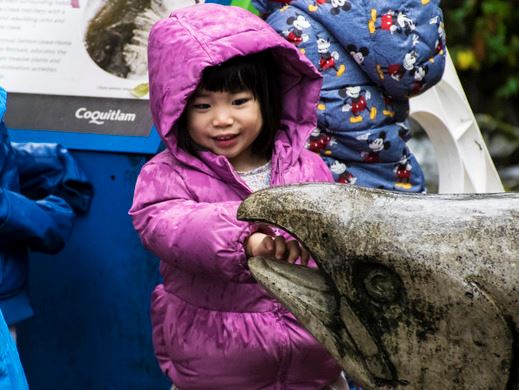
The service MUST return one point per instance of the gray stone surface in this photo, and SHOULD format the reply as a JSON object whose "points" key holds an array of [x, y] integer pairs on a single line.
{"points": [[412, 291]]}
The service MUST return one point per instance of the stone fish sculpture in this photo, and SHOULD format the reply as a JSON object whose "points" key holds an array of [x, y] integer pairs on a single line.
{"points": [[412, 292]]}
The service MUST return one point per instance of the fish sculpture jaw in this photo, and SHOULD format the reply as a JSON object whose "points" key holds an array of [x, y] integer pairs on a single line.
{"points": [[420, 289], [307, 293]]}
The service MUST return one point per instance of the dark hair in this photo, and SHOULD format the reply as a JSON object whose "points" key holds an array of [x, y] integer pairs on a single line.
{"points": [[255, 72]]}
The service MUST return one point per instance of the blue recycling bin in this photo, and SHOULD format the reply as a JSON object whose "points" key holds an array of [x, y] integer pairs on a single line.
{"points": [[91, 328]]}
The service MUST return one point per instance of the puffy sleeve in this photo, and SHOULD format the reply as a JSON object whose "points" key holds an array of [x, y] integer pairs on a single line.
{"points": [[398, 45], [41, 225], [406, 43], [197, 237], [49, 168]]}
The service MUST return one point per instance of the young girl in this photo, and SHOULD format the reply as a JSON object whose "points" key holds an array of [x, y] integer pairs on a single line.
{"points": [[234, 106]]}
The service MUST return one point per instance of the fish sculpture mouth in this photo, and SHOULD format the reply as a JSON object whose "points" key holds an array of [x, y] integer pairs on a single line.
{"points": [[412, 291], [308, 294]]}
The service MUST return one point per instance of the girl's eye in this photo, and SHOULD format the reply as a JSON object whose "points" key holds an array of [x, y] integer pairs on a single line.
{"points": [[239, 102], [200, 106]]}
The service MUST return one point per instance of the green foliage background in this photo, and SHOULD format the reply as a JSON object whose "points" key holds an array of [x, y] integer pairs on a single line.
{"points": [[483, 40]]}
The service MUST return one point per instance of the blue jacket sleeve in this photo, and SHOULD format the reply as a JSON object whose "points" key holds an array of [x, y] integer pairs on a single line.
{"points": [[41, 225], [49, 169], [398, 46], [31, 177], [11, 370], [406, 43]]}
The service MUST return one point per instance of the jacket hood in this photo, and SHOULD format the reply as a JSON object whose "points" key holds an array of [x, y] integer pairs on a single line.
{"points": [[204, 35]]}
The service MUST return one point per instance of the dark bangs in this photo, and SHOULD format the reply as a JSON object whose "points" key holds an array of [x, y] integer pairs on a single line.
{"points": [[235, 75], [258, 73]]}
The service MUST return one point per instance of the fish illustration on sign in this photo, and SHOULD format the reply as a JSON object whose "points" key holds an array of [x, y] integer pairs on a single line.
{"points": [[413, 291], [116, 37]]}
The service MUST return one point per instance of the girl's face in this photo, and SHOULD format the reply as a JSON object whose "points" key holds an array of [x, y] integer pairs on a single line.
{"points": [[227, 124]]}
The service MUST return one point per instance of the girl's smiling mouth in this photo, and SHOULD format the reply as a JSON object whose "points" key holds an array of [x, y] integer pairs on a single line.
{"points": [[226, 140]]}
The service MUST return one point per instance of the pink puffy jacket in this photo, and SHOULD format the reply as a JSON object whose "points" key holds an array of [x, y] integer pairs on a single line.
{"points": [[214, 327]]}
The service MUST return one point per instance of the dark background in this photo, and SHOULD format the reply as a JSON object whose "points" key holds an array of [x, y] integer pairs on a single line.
{"points": [[483, 40]]}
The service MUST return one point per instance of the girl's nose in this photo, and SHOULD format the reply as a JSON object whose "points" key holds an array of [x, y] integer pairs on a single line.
{"points": [[222, 118]]}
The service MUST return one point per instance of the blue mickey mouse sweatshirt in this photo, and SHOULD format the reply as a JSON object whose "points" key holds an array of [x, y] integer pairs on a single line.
{"points": [[374, 56]]}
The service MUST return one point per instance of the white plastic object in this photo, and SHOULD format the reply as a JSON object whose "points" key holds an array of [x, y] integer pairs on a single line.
{"points": [[464, 163]]}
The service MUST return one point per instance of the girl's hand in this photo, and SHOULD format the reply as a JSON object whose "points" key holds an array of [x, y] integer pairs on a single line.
{"points": [[260, 244]]}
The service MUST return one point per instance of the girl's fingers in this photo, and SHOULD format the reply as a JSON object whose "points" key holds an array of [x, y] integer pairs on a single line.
{"points": [[305, 256], [284, 250], [294, 251], [280, 247], [268, 244]]}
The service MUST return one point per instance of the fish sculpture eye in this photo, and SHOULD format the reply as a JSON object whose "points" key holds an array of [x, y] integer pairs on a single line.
{"points": [[382, 284]]}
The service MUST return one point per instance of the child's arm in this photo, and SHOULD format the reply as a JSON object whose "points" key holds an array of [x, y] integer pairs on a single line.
{"points": [[398, 46], [196, 236], [41, 225], [406, 42], [49, 168]]}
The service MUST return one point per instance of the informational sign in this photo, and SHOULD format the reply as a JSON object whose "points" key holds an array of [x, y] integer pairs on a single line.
{"points": [[76, 71]]}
